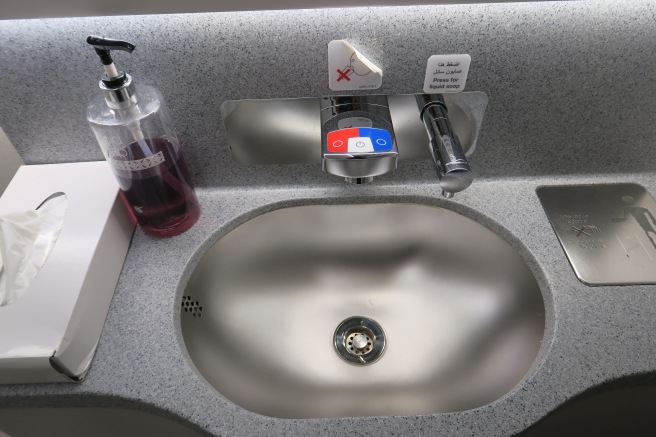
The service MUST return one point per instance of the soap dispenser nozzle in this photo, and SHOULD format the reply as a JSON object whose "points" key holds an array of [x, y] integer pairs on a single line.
{"points": [[116, 85], [103, 47]]}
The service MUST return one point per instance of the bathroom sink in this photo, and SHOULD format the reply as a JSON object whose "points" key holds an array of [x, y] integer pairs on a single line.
{"points": [[440, 314]]}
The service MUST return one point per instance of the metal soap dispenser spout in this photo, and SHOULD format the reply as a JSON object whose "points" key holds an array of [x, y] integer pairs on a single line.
{"points": [[453, 170]]}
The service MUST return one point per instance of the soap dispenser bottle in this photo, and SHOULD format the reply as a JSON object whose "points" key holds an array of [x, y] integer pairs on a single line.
{"points": [[135, 134]]}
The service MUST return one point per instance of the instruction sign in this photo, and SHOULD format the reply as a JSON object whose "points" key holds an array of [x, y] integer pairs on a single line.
{"points": [[348, 69], [446, 73]]}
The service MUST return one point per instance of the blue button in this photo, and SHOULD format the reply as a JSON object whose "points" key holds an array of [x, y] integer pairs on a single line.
{"points": [[380, 138]]}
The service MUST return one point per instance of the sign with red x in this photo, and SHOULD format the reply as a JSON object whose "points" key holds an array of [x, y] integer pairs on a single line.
{"points": [[348, 69], [343, 74]]}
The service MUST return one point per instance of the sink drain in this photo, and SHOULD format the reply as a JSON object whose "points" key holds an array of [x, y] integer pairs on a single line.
{"points": [[359, 340]]}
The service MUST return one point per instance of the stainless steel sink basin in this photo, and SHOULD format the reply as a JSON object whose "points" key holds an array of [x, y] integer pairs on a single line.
{"points": [[462, 314]]}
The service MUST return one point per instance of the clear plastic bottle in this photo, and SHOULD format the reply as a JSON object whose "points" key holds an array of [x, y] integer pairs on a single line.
{"points": [[135, 134]]}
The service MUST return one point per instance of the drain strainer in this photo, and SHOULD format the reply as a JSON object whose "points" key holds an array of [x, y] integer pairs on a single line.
{"points": [[359, 340]]}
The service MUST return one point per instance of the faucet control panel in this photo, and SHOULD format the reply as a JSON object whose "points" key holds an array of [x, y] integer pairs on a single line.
{"points": [[357, 137], [359, 140]]}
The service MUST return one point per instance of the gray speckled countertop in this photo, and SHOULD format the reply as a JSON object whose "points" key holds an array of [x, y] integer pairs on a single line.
{"points": [[564, 79], [594, 334]]}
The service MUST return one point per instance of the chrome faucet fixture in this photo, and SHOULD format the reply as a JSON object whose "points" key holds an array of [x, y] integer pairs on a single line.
{"points": [[360, 137], [357, 138], [452, 167]]}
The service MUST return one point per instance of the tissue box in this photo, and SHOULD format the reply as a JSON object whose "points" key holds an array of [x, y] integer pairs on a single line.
{"points": [[50, 333]]}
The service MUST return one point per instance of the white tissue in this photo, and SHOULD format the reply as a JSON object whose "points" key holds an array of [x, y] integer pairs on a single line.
{"points": [[26, 240]]}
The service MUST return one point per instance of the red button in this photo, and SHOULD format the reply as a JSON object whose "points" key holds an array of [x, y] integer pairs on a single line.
{"points": [[337, 141]]}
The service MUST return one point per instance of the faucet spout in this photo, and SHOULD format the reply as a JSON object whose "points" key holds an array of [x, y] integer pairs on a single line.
{"points": [[453, 172]]}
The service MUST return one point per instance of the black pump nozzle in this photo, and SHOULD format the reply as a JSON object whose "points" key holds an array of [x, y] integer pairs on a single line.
{"points": [[104, 45], [112, 77]]}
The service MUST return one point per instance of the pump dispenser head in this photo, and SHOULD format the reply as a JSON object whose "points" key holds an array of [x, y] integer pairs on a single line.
{"points": [[117, 86]]}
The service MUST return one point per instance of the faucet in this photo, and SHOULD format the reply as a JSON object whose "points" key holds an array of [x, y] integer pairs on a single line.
{"points": [[358, 143], [357, 138], [453, 170]]}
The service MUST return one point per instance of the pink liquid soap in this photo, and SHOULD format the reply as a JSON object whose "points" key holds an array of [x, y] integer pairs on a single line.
{"points": [[160, 196]]}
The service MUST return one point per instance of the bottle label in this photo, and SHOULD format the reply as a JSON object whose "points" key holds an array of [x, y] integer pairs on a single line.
{"points": [[139, 164]]}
